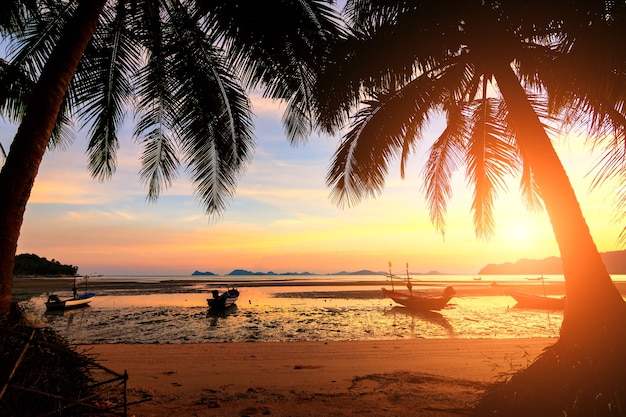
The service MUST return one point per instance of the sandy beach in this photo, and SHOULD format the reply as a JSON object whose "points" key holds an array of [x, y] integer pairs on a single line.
{"points": [[375, 378], [407, 377]]}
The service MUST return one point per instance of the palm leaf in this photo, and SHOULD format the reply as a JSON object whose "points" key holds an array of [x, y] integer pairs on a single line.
{"points": [[444, 158], [490, 158], [212, 112], [281, 55], [156, 105], [384, 129], [102, 84]]}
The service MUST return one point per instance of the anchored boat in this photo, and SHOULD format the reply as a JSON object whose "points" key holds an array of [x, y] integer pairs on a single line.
{"points": [[417, 301], [223, 301], [76, 301]]}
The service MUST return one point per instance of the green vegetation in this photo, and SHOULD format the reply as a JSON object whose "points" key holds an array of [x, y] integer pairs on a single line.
{"points": [[31, 264]]}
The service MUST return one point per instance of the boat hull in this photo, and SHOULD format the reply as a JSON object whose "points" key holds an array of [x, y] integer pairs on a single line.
{"points": [[54, 303], [537, 302], [224, 301], [420, 303]]}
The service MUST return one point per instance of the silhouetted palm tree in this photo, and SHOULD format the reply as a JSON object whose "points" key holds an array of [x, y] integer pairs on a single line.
{"points": [[185, 63], [503, 74], [483, 66]]}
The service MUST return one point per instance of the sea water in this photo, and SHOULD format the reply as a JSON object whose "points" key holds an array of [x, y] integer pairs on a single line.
{"points": [[297, 308]]}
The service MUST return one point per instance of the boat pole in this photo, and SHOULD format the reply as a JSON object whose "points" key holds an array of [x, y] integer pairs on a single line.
{"points": [[408, 280]]}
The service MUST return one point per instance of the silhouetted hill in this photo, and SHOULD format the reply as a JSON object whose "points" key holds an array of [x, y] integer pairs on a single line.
{"points": [[239, 272], [615, 262], [31, 264], [361, 272]]}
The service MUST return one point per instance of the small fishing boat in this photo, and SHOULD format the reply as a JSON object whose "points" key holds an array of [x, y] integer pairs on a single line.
{"points": [[55, 303], [76, 301], [539, 302], [420, 302], [417, 302], [223, 301]]}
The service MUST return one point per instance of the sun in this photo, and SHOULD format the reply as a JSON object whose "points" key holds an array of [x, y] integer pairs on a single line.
{"points": [[532, 235], [520, 232]]}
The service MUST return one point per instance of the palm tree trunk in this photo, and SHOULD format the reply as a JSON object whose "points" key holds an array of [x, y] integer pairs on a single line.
{"points": [[29, 145], [594, 308]]}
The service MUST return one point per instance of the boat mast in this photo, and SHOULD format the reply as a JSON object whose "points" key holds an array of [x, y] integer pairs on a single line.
{"points": [[391, 276], [408, 280]]}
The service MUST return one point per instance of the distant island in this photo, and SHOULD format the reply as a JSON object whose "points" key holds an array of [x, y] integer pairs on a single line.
{"points": [[615, 262], [240, 272]]}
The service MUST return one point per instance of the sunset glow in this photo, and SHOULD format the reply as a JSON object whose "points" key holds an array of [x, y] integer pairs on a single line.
{"points": [[281, 218]]}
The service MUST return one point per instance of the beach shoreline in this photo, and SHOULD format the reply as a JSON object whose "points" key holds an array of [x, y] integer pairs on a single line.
{"points": [[34, 286], [391, 377], [407, 375]]}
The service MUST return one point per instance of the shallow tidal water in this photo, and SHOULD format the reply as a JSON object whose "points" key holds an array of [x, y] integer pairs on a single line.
{"points": [[270, 314]]}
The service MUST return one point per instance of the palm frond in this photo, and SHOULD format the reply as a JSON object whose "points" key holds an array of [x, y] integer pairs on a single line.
{"points": [[384, 129], [212, 113], [531, 196], [17, 88], [444, 157], [14, 15], [102, 85], [155, 106], [14, 99], [280, 55], [35, 43], [490, 158], [339, 82]]}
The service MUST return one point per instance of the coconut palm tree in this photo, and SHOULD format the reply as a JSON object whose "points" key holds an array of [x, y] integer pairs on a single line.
{"points": [[185, 64], [503, 75], [479, 65]]}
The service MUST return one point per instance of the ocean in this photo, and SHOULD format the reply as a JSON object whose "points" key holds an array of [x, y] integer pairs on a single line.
{"points": [[173, 309]]}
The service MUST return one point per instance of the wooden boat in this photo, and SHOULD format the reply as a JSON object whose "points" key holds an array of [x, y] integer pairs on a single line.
{"points": [[76, 301], [223, 301], [55, 303], [420, 302], [540, 302], [416, 302]]}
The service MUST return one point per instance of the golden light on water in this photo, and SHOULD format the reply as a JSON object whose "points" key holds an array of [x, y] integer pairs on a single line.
{"points": [[292, 313]]}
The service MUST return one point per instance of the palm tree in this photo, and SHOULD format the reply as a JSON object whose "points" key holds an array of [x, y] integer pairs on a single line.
{"points": [[502, 74], [186, 64]]}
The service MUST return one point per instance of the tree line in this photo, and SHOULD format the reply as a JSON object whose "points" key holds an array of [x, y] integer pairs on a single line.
{"points": [[31, 264]]}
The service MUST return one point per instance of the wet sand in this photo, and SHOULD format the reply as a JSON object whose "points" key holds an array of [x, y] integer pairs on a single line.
{"points": [[28, 287]]}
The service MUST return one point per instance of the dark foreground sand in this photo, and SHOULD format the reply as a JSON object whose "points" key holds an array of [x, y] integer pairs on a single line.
{"points": [[372, 378]]}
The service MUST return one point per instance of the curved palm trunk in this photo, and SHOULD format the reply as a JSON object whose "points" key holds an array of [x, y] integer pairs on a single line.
{"points": [[595, 312], [29, 145]]}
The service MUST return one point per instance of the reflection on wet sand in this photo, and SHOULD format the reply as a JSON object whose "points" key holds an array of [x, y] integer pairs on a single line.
{"points": [[269, 314], [214, 315], [432, 317], [67, 317]]}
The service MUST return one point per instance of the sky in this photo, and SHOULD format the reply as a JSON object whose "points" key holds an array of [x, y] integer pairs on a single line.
{"points": [[281, 218]]}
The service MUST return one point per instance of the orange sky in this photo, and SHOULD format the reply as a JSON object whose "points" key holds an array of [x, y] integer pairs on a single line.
{"points": [[281, 218]]}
